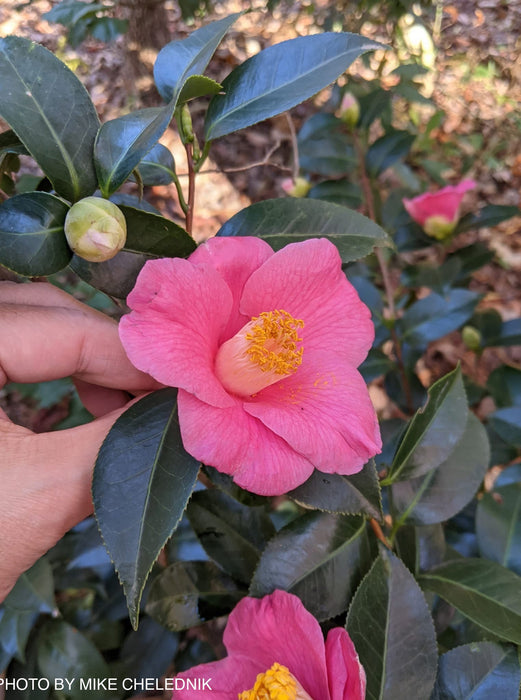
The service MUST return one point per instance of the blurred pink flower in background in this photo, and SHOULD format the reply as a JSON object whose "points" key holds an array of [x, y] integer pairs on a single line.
{"points": [[275, 644], [439, 212], [264, 348]]}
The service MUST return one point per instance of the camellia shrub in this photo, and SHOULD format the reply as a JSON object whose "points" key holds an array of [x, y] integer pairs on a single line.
{"points": [[354, 557]]}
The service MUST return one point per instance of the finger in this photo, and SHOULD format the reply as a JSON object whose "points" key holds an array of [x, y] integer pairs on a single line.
{"points": [[38, 294], [44, 343], [99, 400]]}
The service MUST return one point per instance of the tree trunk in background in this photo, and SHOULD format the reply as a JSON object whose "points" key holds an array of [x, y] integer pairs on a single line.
{"points": [[148, 31]]}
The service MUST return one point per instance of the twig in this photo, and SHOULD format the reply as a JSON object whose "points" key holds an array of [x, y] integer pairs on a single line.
{"points": [[294, 145], [242, 168], [191, 187]]}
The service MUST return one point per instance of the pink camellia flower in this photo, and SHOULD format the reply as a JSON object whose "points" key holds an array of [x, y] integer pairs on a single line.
{"points": [[439, 212], [264, 348], [276, 651]]}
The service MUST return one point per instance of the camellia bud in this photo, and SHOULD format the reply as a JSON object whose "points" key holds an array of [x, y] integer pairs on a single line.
{"points": [[349, 111], [296, 188], [471, 337], [95, 229]]}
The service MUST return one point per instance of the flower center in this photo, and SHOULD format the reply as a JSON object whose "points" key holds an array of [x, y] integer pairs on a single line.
{"points": [[262, 353], [277, 683]]}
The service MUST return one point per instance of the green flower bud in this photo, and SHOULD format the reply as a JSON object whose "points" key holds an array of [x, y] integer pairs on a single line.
{"points": [[349, 111], [95, 229], [471, 337], [296, 188]]}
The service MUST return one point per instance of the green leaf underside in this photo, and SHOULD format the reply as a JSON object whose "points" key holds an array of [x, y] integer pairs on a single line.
{"points": [[52, 114], [143, 479], [335, 493], [186, 594], [232, 534], [483, 591], [327, 553], [444, 491], [179, 61], [281, 77], [283, 221], [392, 630], [32, 239], [434, 430]]}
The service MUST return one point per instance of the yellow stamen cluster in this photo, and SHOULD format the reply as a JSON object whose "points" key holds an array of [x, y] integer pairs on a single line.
{"points": [[277, 683], [273, 342]]}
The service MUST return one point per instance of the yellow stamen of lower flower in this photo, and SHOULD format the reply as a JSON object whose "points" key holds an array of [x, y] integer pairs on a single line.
{"points": [[277, 683], [262, 353]]}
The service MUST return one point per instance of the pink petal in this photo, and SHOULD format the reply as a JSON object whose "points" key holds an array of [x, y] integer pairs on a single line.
{"points": [[172, 332], [235, 259], [345, 672], [324, 412], [227, 678], [279, 629], [306, 280], [444, 203], [236, 443]]}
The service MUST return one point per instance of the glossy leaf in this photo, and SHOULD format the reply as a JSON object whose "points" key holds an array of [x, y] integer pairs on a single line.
{"points": [[152, 234], [10, 143], [446, 490], [508, 334], [324, 148], [65, 653], [392, 630], [328, 556], [489, 215], [483, 591], [115, 277], [478, 671], [157, 167], [15, 628], [121, 144], [283, 221], [187, 593], [179, 60], [142, 481], [434, 430], [32, 239], [338, 192], [421, 547], [498, 525], [507, 424], [434, 316], [34, 590], [52, 114], [148, 651], [351, 495], [232, 534], [281, 77], [504, 383], [225, 483], [386, 150]]}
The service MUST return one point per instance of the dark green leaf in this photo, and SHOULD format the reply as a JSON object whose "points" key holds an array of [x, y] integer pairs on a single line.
{"points": [[504, 383], [157, 167], [10, 143], [227, 484], [498, 526], [281, 77], [122, 143], [52, 114], [434, 316], [64, 653], [152, 234], [325, 148], [472, 257], [328, 556], [15, 627], [68, 13], [509, 333], [34, 590], [376, 364], [115, 277], [439, 278], [232, 534], [392, 630], [179, 60], [490, 215], [483, 591], [387, 150], [188, 593], [338, 192], [478, 671], [444, 491], [108, 28], [283, 221], [421, 547], [374, 105], [434, 430], [148, 651], [142, 481], [507, 424], [358, 493], [32, 239]]}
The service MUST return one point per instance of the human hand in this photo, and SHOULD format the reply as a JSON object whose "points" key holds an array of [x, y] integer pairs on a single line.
{"points": [[45, 478]]}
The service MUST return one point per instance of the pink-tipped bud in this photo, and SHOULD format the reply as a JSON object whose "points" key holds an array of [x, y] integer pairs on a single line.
{"points": [[95, 229], [349, 111], [296, 188]]}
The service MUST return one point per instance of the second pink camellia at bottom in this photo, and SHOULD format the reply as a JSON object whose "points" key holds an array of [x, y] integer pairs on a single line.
{"points": [[264, 348], [276, 650]]}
